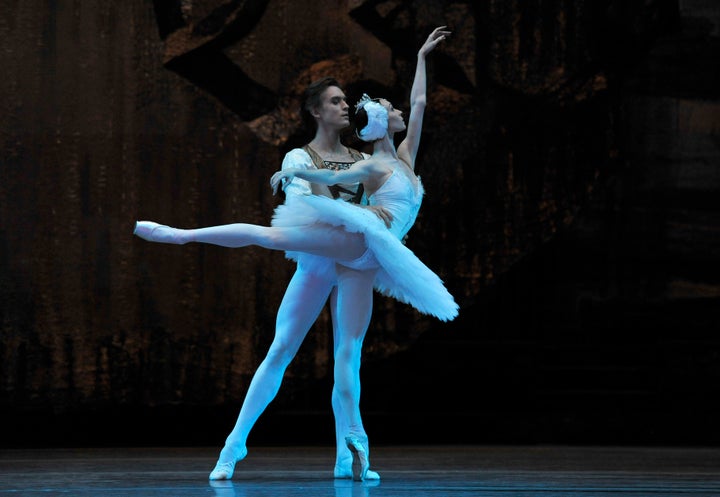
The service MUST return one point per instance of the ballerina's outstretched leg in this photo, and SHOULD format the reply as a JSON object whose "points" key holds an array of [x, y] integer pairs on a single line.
{"points": [[328, 241]]}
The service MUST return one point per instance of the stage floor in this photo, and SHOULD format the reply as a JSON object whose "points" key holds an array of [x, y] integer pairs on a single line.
{"points": [[409, 471]]}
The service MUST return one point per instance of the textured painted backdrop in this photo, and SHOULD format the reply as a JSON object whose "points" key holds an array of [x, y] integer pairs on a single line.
{"points": [[180, 111]]}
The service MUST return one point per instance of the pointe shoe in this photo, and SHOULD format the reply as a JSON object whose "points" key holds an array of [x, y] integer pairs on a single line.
{"points": [[360, 457], [154, 232], [344, 472], [224, 470]]}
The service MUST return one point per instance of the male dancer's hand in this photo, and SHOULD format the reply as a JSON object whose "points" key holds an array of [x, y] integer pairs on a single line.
{"points": [[382, 213]]}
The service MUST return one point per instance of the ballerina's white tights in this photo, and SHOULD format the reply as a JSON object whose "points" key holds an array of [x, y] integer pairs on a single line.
{"points": [[323, 240]]}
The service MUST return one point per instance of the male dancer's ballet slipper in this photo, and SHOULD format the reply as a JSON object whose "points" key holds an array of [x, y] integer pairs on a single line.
{"points": [[224, 470], [154, 232], [361, 461]]}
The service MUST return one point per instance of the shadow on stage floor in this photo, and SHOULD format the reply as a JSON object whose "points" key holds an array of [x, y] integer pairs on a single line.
{"points": [[411, 471]]}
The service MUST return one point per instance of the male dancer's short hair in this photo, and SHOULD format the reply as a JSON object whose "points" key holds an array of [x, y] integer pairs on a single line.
{"points": [[311, 99]]}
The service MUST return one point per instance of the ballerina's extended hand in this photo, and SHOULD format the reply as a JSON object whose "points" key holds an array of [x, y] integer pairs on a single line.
{"points": [[280, 178]]}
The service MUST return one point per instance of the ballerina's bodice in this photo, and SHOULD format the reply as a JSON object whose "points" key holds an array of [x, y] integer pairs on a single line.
{"points": [[399, 196]]}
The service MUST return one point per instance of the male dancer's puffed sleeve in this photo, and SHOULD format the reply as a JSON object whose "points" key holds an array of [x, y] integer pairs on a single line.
{"points": [[306, 263], [297, 158]]}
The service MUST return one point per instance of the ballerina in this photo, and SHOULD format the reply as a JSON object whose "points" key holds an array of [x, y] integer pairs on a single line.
{"points": [[353, 237]]}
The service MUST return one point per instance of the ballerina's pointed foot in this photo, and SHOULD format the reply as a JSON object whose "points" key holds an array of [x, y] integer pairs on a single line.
{"points": [[360, 457], [154, 232], [225, 466]]}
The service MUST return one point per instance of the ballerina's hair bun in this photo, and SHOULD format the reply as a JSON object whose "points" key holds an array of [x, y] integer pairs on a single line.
{"points": [[376, 116]]}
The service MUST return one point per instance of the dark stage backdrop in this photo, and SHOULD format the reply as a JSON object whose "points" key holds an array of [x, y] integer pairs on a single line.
{"points": [[570, 157]]}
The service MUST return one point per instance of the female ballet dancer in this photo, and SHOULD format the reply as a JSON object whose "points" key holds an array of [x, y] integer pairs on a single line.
{"points": [[367, 253], [352, 236]]}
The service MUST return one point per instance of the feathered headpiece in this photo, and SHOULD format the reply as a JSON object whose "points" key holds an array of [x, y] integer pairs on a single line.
{"points": [[377, 124]]}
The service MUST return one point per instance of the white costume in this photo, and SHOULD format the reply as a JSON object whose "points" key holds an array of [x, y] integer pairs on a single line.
{"points": [[401, 274], [300, 158]]}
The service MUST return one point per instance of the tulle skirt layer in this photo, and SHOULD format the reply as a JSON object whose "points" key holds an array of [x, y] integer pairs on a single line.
{"points": [[401, 274]]}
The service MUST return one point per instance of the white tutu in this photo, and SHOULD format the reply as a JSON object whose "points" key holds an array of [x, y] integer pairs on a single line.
{"points": [[401, 274]]}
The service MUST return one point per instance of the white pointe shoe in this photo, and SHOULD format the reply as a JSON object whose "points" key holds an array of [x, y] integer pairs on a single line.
{"points": [[154, 232], [224, 470], [360, 457], [344, 472]]}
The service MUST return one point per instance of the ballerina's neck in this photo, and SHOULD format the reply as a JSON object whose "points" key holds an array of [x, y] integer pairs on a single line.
{"points": [[384, 147]]}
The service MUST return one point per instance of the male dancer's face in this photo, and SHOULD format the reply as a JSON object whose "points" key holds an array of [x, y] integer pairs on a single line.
{"points": [[334, 110]]}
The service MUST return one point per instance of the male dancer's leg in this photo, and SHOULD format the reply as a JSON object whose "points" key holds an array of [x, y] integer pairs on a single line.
{"points": [[303, 300]]}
